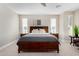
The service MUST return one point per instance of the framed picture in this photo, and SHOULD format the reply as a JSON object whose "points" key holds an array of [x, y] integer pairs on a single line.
{"points": [[38, 22]]}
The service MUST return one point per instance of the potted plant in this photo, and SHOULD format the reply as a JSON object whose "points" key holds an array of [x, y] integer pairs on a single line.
{"points": [[76, 30]]}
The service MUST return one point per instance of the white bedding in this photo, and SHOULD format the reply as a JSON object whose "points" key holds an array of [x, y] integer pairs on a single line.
{"points": [[39, 35], [38, 31]]}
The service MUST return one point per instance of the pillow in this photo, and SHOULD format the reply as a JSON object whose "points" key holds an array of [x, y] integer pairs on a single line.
{"points": [[35, 31], [42, 31], [38, 31], [32, 30]]}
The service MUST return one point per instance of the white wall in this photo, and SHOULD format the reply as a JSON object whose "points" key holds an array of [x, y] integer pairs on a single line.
{"points": [[45, 20], [76, 17], [9, 28], [61, 26]]}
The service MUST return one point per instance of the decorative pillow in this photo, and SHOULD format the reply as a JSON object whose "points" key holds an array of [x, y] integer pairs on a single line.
{"points": [[35, 31], [42, 31]]}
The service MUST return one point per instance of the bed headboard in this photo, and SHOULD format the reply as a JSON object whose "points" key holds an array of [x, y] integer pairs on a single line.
{"points": [[39, 27]]}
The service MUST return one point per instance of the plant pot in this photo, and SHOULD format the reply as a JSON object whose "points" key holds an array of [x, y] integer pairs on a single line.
{"points": [[76, 35]]}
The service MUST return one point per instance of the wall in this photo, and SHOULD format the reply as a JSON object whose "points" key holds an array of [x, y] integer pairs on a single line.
{"points": [[61, 26], [45, 20], [9, 28], [76, 17]]}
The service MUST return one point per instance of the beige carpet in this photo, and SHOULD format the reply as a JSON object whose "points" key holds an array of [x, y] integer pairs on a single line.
{"points": [[65, 50]]}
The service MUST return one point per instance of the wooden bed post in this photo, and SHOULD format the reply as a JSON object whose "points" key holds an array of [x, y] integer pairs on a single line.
{"points": [[58, 49], [18, 49]]}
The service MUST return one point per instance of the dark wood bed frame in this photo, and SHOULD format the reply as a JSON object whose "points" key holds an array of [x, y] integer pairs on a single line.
{"points": [[39, 27], [38, 46]]}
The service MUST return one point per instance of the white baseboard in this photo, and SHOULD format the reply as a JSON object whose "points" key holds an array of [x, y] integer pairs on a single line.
{"points": [[4, 46]]}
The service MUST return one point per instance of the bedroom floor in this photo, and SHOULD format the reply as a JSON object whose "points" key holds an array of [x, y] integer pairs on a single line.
{"points": [[65, 50]]}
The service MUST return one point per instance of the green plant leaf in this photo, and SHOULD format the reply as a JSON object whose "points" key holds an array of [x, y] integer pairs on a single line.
{"points": [[76, 30]]}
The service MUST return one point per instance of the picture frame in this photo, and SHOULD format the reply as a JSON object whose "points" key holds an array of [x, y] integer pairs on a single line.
{"points": [[38, 22]]}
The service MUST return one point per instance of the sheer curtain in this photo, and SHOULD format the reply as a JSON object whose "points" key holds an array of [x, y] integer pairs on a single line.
{"points": [[53, 25], [24, 25], [70, 24]]}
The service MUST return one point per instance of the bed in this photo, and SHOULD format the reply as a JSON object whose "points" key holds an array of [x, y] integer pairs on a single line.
{"points": [[38, 42]]}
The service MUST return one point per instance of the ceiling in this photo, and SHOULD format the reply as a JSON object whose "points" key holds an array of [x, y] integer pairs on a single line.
{"points": [[39, 9]]}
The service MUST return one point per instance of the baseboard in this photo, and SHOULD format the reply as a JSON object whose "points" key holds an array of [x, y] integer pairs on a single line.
{"points": [[4, 46]]}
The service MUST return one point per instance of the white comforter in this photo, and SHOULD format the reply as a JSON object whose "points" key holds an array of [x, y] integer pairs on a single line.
{"points": [[39, 35]]}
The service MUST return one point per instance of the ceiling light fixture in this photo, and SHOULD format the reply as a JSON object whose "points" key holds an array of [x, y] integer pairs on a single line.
{"points": [[43, 4], [57, 6]]}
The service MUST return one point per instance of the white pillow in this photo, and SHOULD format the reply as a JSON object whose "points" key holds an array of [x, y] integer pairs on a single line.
{"points": [[38, 31], [35, 31], [32, 30], [42, 31]]}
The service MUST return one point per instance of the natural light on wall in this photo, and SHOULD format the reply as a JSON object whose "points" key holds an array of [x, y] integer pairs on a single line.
{"points": [[53, 25], [24, 25]]}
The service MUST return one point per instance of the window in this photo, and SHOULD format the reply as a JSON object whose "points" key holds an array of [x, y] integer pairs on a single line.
{"points": [[53, 25], [70, 24], [24, 25]]}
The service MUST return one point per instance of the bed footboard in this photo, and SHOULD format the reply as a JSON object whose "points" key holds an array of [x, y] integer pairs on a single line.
{"points": [[38, 46]]}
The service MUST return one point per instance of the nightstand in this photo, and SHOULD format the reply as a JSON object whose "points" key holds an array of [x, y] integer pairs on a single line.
{"points": [[55, 34], [74, 39]]}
